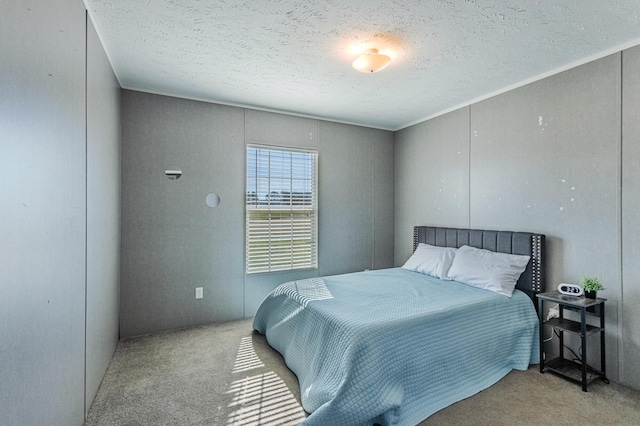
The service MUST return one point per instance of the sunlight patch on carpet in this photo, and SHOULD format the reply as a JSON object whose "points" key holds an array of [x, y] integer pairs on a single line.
{"points": [[260, 399], [263, 399], [246, 359]]}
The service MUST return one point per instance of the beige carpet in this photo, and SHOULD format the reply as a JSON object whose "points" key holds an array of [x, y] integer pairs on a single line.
{"points": [[225, 374]]}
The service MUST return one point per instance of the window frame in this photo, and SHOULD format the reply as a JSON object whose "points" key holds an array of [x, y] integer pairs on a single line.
{"points": [[281, 209]]}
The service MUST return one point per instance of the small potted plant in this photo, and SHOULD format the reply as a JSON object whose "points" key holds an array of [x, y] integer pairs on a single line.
{"points": [[591, 285]]}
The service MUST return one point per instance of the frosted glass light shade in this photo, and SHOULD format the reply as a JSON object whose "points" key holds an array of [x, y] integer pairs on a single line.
{"points": [[371, 61]]}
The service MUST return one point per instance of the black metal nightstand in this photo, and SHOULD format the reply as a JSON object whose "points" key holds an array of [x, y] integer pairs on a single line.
{"points": [[573, 370]]}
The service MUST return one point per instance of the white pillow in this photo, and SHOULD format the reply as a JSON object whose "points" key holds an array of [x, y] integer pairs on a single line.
{"points": [[489, 270], [431, 260]]}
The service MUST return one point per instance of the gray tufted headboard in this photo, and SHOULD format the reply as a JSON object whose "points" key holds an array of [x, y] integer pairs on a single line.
{"points": [[526, 243]]}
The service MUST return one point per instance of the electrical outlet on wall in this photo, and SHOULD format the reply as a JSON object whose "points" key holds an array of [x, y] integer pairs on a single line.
{"points": [[198, 292]]}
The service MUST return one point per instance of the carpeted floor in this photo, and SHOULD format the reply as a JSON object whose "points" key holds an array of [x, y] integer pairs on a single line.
{"points": [[225, 374]]}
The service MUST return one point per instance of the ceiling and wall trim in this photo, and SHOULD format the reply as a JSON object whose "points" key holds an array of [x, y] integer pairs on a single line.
{"points": [[495, 13], [559, 70], [575, 64]]}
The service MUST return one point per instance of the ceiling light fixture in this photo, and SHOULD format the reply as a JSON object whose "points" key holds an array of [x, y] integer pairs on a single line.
{"points": [[371, 61]]}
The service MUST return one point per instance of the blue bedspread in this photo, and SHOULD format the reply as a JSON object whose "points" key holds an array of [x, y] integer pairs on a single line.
{"points": [[394, 346]]}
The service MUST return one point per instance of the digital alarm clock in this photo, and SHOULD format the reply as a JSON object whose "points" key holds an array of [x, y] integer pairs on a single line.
{"points": [[570, 289]]}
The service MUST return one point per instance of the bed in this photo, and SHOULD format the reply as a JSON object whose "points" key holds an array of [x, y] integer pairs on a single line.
{"points": [[393, 346]]}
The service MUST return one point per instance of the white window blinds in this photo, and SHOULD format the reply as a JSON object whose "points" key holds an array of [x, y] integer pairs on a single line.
{"points": [[281, 212]]}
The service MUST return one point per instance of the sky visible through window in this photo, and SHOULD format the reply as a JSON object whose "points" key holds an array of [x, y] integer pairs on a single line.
{"points": [[279, 177]]}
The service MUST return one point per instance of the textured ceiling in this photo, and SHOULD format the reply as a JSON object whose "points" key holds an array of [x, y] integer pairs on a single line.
{"points": [[295, 56]]}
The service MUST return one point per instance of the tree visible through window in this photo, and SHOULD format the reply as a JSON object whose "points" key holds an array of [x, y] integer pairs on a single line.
{"points": [[281, 209]]}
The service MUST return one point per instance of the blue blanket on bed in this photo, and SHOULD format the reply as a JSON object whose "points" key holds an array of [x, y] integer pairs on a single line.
{"points": [[394, 346]]}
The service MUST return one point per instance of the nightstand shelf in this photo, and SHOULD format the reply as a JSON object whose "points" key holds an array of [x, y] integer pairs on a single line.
{"points": [[571, 370], [578, 371], [571, 326]]}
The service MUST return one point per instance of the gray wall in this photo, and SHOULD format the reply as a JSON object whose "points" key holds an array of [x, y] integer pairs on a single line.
{"points": [[432, 177], [103, 214], [547, 158], [45, 213], [172, 242], [630, 314]]}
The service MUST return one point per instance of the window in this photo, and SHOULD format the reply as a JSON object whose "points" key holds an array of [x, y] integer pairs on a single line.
{"points": [[281, 209]]}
